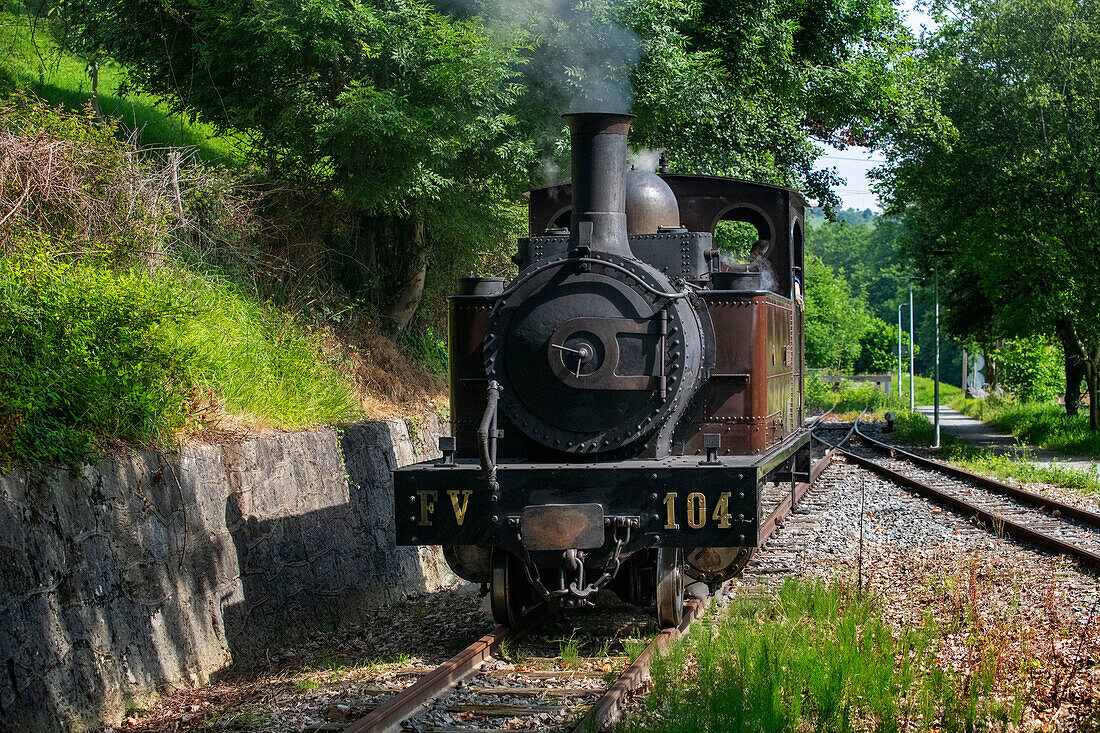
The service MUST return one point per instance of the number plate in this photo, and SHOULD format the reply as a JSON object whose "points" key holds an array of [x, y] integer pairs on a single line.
{"points": [[562, 527]]}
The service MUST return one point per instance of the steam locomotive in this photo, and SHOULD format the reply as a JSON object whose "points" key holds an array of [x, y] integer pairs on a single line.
{"points": [[617, 407]]}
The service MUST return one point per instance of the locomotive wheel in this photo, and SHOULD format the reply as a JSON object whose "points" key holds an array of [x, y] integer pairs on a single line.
{"points": [[510, 591], [670, 587]]}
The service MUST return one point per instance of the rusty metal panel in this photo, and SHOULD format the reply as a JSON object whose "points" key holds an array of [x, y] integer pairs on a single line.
{"points": [[780, 367], [736, 396], [562, 526]]}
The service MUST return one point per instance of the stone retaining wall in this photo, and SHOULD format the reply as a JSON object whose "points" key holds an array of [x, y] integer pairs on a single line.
{"points": [[144, 572]]}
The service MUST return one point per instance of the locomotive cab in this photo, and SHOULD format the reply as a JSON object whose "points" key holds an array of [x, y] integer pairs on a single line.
{"points": [[617, 407]]}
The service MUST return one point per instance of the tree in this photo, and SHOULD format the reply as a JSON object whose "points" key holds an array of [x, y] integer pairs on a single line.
{"points": [[728, 87], [426, 122], [1011, 196], [401, 113], [835, 320], [744, 87], [877, 347], [866, 256], [1031, 368]]}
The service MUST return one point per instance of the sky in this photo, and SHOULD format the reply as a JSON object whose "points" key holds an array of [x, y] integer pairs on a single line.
{"points": [[853, 163]]}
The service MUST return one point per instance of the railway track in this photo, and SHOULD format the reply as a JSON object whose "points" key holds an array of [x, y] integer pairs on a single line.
{"points": [[474, 686], [477, 686], [1042, 522]]}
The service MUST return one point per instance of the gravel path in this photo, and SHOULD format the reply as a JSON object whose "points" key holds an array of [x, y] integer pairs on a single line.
{"points": [[978, 434]]}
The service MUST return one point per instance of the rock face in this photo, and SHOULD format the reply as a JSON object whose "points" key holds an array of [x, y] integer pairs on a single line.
{"points": [[146, 572]]}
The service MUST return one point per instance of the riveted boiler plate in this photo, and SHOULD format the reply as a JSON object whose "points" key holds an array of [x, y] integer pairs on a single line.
{"points": [[581, 356]]}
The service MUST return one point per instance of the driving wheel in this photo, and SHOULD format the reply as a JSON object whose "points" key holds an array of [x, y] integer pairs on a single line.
{"points": [[670, 587], [509, 593]]}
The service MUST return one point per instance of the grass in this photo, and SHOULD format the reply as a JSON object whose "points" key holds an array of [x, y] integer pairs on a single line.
{"points": [[914, 428], [31, 60], [1041, 424], [336, 667], [569, 650], [119, 332], [925, 391], [258, 361], [634, 646], [814, 657], [93, 352], [849, 398], [514, 653]]}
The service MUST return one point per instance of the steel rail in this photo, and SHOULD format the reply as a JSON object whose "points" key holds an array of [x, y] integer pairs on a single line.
{"points": [[610, 703], [1000, 524], [847, 435], [1053, 506], [818, 419], [389, 715]]}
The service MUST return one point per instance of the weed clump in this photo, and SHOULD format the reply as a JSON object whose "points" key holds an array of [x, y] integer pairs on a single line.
{"points": [[810, 657]]}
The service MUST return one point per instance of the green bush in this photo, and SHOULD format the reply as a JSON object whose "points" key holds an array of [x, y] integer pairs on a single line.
{"points": [[81, 360], [847, 397], [91, 352], [915, 428], [818, 394], [1032, 369], [428, 348]]}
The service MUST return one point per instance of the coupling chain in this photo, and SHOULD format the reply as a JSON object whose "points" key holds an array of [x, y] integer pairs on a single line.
{"points": [[576, 589]]}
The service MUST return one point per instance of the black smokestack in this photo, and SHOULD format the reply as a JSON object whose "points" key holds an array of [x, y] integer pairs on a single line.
{"points": [[598, 221]]}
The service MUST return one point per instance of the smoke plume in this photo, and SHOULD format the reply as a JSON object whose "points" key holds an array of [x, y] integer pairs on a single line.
{"points": [[583, 58], [646, 159]]}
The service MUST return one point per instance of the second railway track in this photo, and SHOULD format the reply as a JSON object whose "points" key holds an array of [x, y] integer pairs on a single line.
{"points": [[1042, 522]]}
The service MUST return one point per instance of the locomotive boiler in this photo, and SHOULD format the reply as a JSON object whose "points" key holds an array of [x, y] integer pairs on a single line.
{"points": [[617, 407]]}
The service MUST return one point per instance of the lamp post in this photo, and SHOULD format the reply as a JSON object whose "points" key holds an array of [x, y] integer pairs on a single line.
{"points": [[936, 385], [902, 305], [936, 375], [912, 393]]}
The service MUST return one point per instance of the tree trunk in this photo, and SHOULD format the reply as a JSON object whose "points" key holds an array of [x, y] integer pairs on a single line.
{"points": [[389, 261], [93, 73], [408, 298], [1090, 361], [1075, 371], [1092, 378]]}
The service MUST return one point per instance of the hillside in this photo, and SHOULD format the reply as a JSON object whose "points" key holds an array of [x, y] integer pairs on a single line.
{"points": [[151, 294]]}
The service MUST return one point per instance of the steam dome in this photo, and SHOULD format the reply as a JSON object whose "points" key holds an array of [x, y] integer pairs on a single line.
{"points": [[650, 203]]}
